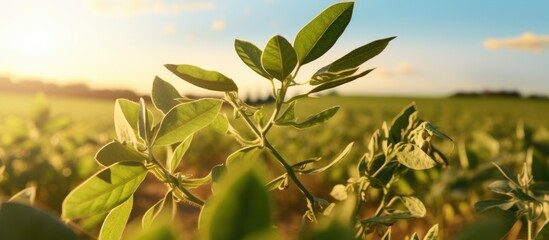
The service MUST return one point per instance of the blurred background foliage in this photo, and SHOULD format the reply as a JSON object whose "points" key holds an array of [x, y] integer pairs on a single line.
{"points": [[50, 143]]}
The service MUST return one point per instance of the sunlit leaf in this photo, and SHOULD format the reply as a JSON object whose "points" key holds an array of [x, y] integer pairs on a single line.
{"points": [[279, 58], [275, 183], [336, 160], [338, 82], [220, 124], [357, 57], [21, 221], [319, 35], [144, 124], [507, 173], [331, 76], [178, 154], [401, 121], [432, 234], [502, 204], [164, 95], [316, 119], [239, 209], [206, 79], [164, 208], [104, 190], [116, 220], [414, 206], [25, 196], [185, 119], [126, 117], [243, 156], [288, 116], [413, 157], [218, 172], [251, 56], [115, 151], [501, 186]]}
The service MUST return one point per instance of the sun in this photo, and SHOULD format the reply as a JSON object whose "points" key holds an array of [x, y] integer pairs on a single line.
{"points": [[33, 39]]}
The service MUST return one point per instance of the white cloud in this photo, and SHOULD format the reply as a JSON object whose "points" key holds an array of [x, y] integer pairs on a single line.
{"points": [[169, 29], [526, 42], [403, 68], [137, 7], [218, 25], [406, 68]]}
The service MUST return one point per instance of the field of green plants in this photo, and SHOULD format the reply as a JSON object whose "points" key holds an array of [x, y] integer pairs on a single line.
{"points": [[301, 167], [61, 155]]}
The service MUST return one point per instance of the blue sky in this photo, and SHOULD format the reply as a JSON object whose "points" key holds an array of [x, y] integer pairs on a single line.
{"points": [[442, 46]]}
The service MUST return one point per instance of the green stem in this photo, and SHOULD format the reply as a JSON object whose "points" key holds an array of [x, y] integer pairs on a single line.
{"points": [[292, 175], [172, 181]]}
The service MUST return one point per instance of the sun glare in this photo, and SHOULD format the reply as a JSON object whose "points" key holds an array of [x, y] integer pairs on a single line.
{"points": [[33, 39]]}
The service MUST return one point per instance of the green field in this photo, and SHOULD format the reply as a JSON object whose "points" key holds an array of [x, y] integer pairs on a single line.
{"points": [[483, 130]]}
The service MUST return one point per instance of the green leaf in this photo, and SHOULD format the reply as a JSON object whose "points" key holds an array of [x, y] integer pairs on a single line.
{"points": [[316, 119], [319, 35], [275, 183], [178, 154], [104, 190], [144, 124], [191, 183], [493, 224], [2, 166], [357, 57], [413, 157], [414, 206], [507, 174], [116, 220], [502, 204], [243, 156], [540, 188], [387, 235], [338, 82], [163, 208], [301, 165], [162, 231], [220, 124], [543, 234], [239, 209], [414, 237], [389, 218], [336, 160], [434, 131], [288, 116], [251, 56], [186, 119], [20, 221], [164, 96], [518, 193], [25, 196], [432, 234], [206, 79], [501, 187], [279, 58], [218, 171], [126, 117], [400, 122], [115, 151], [331, 76]]}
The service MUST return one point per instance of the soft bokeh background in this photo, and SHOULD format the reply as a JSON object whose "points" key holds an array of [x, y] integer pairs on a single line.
{"points": [[442, 46]]}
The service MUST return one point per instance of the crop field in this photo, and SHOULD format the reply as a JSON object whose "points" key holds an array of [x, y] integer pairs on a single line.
{"points": [[50, 143]]}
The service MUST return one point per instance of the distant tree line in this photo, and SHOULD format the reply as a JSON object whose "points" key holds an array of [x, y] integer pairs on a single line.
{"points": [[504, 94], [71, 90]]}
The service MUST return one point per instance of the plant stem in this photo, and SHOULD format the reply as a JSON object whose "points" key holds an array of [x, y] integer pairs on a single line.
{"points": [[292, 175], [529, 229], [172, 181]]}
